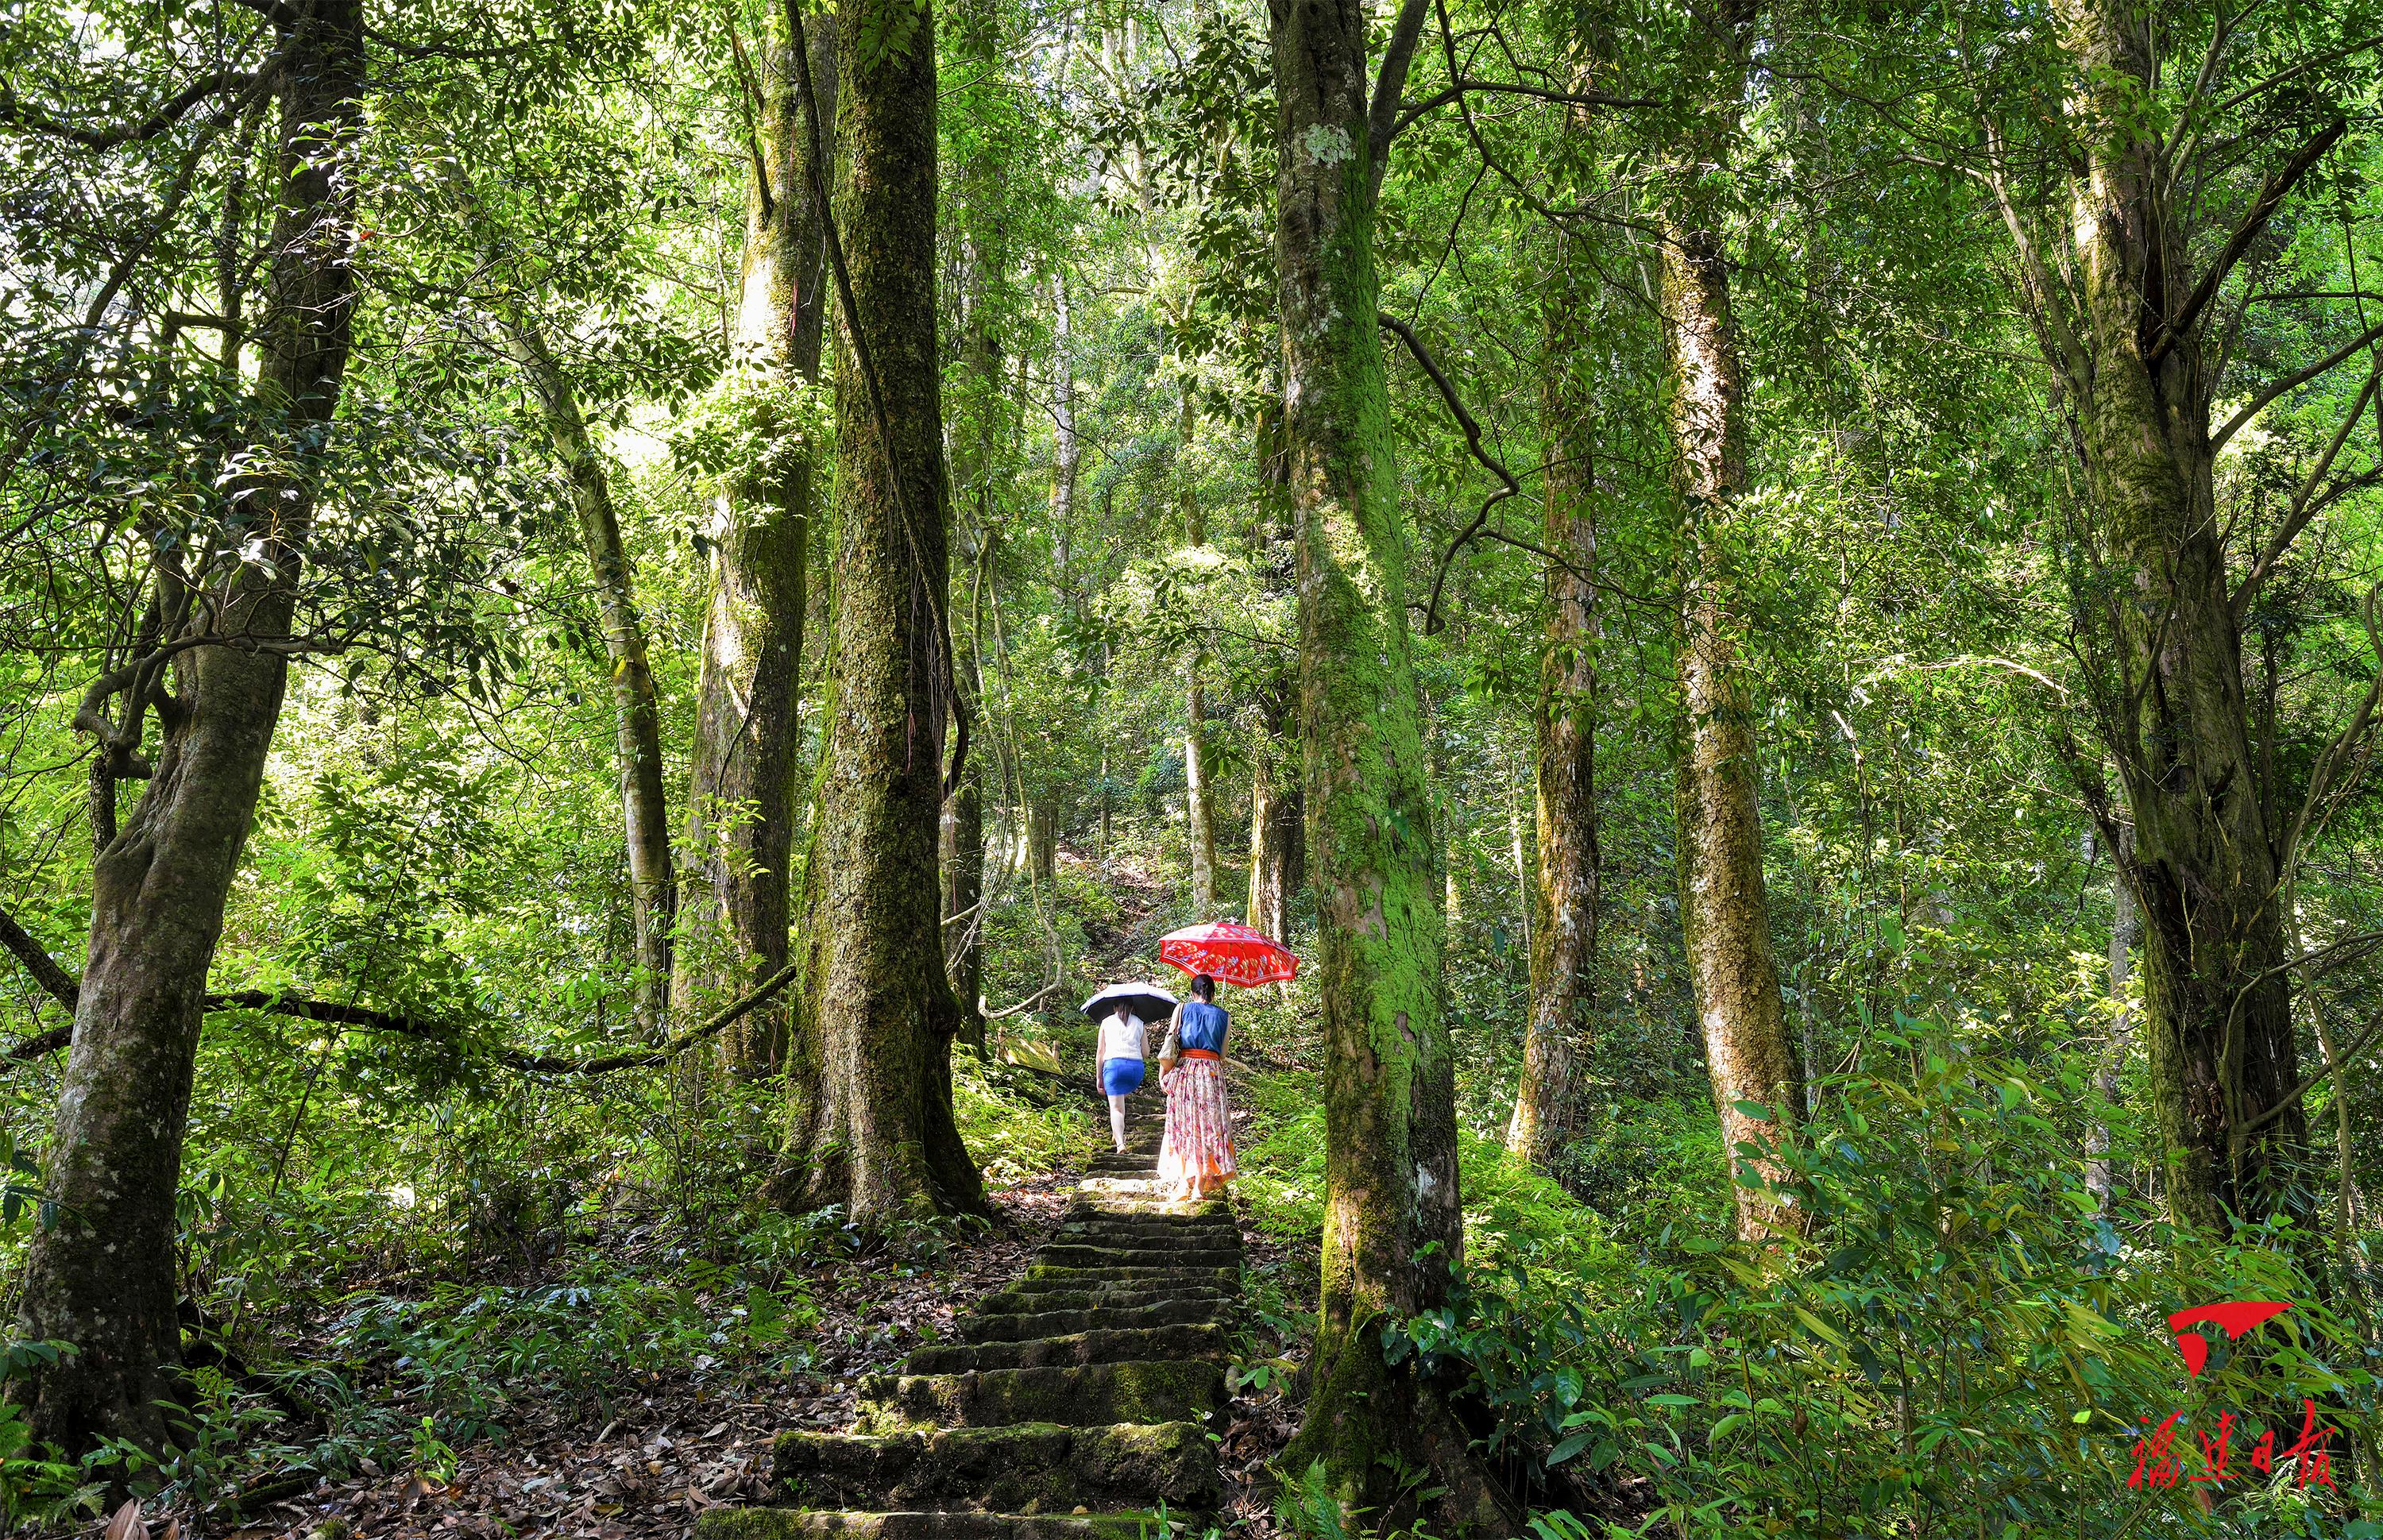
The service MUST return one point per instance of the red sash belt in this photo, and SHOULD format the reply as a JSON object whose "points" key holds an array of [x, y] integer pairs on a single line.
{"points": [[1202, 1053]]}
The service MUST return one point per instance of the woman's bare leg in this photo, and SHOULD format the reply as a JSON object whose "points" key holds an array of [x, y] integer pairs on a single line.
{"points": [[1116, 1122]]}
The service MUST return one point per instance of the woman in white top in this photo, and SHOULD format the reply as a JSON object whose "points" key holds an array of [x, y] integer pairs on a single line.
{"points": [[1122, 1054]]}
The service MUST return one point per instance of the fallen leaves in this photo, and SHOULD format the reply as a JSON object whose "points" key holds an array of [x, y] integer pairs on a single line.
{"points": [[695, 1438]]}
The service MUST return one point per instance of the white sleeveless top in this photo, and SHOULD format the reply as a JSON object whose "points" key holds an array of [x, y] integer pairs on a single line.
{"points": [[1121, 1037]]}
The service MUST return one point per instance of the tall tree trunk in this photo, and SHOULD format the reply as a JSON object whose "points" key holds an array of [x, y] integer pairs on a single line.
{"points": [[961, 847], [637, 715], [871, 1125], [2345, 1192], [1525, 884], [2217, 1019], [1199, 797], [1393, 1226], [1041, 832], [1723, 911], [742, 794], [1277, 820], [1066, 454], [981, 418], [1563, 899], [2126, 929], [104, 1279]]}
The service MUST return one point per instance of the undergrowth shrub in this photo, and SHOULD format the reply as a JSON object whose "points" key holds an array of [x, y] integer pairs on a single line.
{"points": [[1962, 1343]]}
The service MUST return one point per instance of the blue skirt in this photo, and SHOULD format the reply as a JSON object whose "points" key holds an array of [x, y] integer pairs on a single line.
{"points": [[1120, 1076]]}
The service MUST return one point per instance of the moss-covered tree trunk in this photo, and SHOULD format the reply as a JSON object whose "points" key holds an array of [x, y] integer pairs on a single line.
{"points": [[2218, 1015], [104, 1279], [961, 849], [637, 714], [1278, 820], [981, 417], [742, 794], [1724, 914], [1393, 1223], [1564, 897], [1199, 794], [870, 1123], [2125, 930]]}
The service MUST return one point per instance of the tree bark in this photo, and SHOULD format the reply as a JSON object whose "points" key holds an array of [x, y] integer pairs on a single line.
{"points": [[2126, 929], [981, 418], [2206, 868], [637, 714], [960, 849], [1066, 454], [1562, 900], [1278, 822], [871, 1124], [1198, 802], [742, 794], [1393, 1225], [1724, 910], [104, 1279], [1041, 836]]}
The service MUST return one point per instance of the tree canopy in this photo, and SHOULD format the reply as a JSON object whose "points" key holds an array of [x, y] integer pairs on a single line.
{"points": [[607, 614]]}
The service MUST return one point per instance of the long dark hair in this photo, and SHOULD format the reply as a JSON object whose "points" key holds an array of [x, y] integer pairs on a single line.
{"points": [[1204, 987]]}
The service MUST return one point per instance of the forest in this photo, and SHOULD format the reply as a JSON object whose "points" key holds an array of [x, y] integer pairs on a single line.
{"points": [[610, 618]]}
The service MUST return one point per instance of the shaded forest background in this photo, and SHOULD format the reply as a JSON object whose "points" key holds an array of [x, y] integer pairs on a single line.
{"points": [[473, 1143]]}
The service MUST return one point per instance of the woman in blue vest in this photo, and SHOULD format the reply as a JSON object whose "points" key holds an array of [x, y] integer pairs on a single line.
{"points": [[1197, 1158]]}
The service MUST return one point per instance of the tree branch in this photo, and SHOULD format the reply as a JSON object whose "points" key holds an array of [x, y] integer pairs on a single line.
{"points": [[56, 982], [2262, 210], [2305, 504], [1389, 86], [1473, 441], [13, 111], [2311, 1082], [2293, 381], [67, 990], [1467, 85], [2330, 763], [2280, 76]]}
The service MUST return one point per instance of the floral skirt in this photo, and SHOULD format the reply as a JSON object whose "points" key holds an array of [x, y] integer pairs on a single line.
{"points": [[1198, 1154]]}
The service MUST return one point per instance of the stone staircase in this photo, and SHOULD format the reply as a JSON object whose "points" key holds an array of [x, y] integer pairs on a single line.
{"points": [[1078, 1404]]}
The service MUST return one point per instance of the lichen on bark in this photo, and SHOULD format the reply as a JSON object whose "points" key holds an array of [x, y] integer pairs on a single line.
{"points": [[1564, 892], [2207, 867], [1393, 1228], [869, 1116], [1724, 911], [742, 790], [105, 1277]]}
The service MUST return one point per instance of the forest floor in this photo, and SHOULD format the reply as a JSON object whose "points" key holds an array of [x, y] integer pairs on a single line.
{"points": [[690, 1439], [697, 1436], [689, 1442]]}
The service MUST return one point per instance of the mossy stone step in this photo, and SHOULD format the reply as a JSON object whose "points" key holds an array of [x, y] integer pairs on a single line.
{"points": [[1186, 1255], [1148, 1232], [1148, 1275], [1024, 1326], [1041, 1466], [1092, 1394], [1109, 1291], [804, 1524], [1044, 1298], [1187, 1339], [1149, 1224], [1142, 1199]]}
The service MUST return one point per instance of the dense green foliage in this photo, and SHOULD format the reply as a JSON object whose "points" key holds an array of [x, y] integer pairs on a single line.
{"points": [[389, 1242]]}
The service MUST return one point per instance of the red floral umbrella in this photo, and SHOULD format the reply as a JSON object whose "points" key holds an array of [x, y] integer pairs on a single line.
{"points": [[1234, 953]]}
